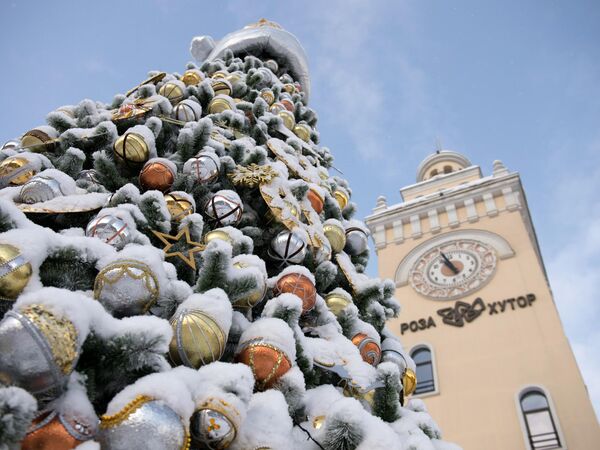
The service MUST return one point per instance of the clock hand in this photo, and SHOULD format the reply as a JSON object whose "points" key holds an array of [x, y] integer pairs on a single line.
{"points": [[449, 264]]}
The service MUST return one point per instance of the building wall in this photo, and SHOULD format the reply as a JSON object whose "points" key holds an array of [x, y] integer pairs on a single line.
{"points": [[482, 366]]}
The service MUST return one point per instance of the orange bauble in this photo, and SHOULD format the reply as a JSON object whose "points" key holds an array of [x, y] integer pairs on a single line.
{"points": [[156, 176], [300, 285], [49, 433], [268, 363], [368, 347], [315, 200]]}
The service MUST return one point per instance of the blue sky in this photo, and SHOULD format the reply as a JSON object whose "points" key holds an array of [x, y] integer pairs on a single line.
{"points": [[510, 80]]}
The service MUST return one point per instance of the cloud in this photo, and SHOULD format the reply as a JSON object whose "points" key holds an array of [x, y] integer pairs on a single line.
{"points": [[574, 268]]}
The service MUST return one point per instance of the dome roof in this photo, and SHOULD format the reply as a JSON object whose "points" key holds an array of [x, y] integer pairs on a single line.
{"points": [[447, 160]]}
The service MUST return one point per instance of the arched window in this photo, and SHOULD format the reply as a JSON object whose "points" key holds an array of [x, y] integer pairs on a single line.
{"points": [[540, 424], [421, 355], [447, 169], [433, 173]]}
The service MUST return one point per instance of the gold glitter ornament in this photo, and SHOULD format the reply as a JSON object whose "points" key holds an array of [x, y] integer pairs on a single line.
{"points": [[126, 287], [342, 197], [302, 131], [192, 77], [197, 339], [337, 302], [15, 171], [15, 272], [221, 103], [289, 121], [131, 149], [38, 141], [409, 381], [172, 91], [336, 235], [179, 205]]}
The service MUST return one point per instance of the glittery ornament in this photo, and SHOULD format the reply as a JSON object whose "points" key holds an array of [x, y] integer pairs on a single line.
{"points": [[15, 171], [131, 149], [156, 175], [142, 419], [409, 381], [337, 302], [300, 285], [38, 141], [126, 288], [15, 272], [335, 234], [357, 241], [368, 347], [224, 208], [179, 204], [39, 189], [253, 296], [197, 339], [221, 103], [55, 431], [192, 77], [173, 91], [204, 167], [38, 350], [342, 197], [268, 363], [214, 424], [288, 247], [111, 229], [316, 200]]}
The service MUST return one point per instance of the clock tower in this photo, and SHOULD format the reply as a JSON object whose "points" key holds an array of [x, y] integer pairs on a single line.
{"points": [[493, 363]]}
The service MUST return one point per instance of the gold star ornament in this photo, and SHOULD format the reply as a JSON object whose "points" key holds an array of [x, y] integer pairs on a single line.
{"points": [[186, 256]]}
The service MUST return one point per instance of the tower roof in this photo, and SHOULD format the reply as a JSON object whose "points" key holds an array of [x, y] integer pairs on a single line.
{"points": [[442, 161]]}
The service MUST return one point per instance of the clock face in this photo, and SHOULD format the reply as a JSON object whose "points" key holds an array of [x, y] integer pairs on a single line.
{"points": [[453, 269]]}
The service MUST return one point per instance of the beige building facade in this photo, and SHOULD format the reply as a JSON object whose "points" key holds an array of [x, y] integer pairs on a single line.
{"points": [[494, 366]]}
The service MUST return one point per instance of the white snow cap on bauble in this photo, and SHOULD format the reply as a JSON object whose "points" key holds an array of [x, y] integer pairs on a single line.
{"points": [[270, 331]]}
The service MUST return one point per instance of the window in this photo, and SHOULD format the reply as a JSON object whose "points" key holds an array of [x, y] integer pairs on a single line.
{"points": [[433, 173], [447, 169], [539, 423], [421, 355]]}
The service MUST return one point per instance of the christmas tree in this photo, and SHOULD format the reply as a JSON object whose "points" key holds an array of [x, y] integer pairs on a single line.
{"points": [[181, 269]]}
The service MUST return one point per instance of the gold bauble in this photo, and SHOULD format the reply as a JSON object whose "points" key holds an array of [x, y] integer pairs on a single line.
{"points": [[318, 422], [336, 302], [268, 96], [336, 236], [37, 141], [233, 77], [289, 88], [178, 206], [15, 272], [342, 197], [15, 171], [197, 339], [302, 131], [409, 382], [220, 103], [288, 119], [192, 77], [220, 75], [256, 295], [172, 91], [221, 86], [218, 234], [276, 108], [131, 149]]}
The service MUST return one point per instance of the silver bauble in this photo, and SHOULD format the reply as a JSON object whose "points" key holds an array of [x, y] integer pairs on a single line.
{"points": [[40, 189], [204, 167], [111, 229], [357, 241], [288, 247], [126, 288], [153, 425], [11, 145], [211, 429], [29, 345], [187, 111], [272, 65], [225, 208], [89, 175]]}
